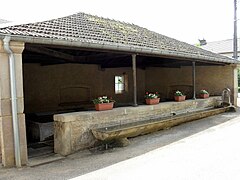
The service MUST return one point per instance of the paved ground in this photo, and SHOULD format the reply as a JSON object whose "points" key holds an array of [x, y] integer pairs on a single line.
{"points": [[203, 149], [211, 154]]}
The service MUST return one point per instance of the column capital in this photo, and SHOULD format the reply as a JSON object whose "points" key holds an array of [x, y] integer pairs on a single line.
{"points": [[16, 47], [134, 55]]}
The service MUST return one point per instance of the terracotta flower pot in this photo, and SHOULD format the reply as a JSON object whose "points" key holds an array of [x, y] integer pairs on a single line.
{"points": [[179, 98], [152, 101], [104, 106], [203, 96]]}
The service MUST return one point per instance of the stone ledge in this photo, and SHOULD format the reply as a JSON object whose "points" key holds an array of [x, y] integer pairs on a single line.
{"points": [[162, 107]]}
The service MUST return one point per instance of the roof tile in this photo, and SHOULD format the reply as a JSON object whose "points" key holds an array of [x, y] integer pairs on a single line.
{"points": [[87, 28]]}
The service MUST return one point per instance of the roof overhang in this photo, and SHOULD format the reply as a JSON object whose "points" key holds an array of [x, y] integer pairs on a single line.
{"points": [[127, 49]]}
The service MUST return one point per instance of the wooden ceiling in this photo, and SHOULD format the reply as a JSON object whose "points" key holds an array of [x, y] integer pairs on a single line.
{"points": [[52, 55]]}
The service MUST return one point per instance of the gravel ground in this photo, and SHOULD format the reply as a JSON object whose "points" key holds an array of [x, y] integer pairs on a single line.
{"points": [[90, 160]]}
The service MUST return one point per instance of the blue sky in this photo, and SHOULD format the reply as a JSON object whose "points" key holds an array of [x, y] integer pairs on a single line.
{"points": [[185, 20]]}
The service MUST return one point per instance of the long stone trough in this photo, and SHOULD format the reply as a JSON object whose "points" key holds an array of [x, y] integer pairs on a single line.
{"points": [[120, 132], [80, 130]]}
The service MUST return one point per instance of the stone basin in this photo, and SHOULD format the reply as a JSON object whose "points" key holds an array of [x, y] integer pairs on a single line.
{"points": [[148, 126]]}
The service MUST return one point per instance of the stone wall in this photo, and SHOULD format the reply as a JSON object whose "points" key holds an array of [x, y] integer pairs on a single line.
{"points": [[212, 78], [72, 131], [43, 85], [59, 87]]}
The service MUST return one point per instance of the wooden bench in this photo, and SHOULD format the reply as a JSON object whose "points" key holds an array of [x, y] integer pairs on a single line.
{"points": [[120, 133]]}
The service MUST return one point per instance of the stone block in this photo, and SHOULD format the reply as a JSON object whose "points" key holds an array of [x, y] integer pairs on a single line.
{"points": [[0, 108], [1, 46], [5, 77], [8, 155], [23, 138], [39, 130], [62, 133], [7, 142], [5, 82], [0, 139], [6, 107]]}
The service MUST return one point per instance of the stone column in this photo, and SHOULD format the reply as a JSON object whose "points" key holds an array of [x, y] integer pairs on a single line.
{"points": [[6, 125]]}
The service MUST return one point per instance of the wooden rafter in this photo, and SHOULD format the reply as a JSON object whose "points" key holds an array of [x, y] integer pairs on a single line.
{"points": [[50, 52], [99, 58]]}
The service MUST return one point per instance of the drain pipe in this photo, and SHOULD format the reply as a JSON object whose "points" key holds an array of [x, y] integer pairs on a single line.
{"points": [[6, 46]]}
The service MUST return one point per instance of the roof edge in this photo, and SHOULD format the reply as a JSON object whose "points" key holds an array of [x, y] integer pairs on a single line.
{"points": [[115, 47]]}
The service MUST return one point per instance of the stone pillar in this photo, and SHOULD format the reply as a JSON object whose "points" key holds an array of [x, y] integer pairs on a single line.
{"points": [[6, 125]]}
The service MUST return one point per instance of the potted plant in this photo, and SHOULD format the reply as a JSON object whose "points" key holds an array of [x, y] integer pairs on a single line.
{"points": [[152, 98], [103, 103], [204, 94], [179, 96]]}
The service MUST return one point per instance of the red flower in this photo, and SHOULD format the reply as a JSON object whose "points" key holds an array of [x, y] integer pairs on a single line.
{"points": [[156, 92], [146, 92]]}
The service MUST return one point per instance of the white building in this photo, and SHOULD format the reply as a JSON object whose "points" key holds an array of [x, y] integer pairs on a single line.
{"points": [[223, 47], [2, 21]]}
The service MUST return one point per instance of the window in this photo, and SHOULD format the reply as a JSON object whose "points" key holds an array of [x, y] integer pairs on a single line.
{"points": [[120, 84]]}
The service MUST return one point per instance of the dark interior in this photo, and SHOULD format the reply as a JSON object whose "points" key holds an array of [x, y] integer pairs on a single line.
{"points": [[60, 55]]}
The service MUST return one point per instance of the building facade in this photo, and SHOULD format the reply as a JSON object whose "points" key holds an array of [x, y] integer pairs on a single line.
{"points": [[223, 47], [62, 64]]}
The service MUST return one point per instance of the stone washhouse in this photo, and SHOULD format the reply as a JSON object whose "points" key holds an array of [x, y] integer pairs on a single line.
{"points": [[50, 71]]}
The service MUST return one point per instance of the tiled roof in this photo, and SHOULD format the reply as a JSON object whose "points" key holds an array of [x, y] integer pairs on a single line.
{"points": [[224, 46], [83, 27]]}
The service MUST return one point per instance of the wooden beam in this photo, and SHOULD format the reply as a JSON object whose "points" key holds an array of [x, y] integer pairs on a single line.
{"points": [[50, 52], [100, 58], [194, 79], [134, 69]]}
